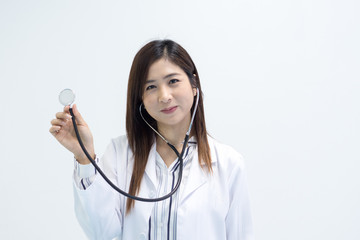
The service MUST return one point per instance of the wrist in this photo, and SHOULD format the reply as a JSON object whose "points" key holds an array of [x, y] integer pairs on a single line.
{"points": [[83, 159]]}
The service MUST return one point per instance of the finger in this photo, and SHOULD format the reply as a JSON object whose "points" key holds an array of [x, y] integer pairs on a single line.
{"points": [[79, 118], [63, 116], [58, 122], [55, 130], [66, 109]]}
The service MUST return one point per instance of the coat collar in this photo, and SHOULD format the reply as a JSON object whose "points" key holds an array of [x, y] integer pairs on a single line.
{"points": [[150, 169], [198, 174]]}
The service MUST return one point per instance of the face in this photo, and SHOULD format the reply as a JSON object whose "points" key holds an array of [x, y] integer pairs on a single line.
{"points": [[168, 95]]}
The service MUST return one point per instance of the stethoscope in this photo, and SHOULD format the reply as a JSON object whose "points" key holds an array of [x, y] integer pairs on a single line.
{"points": [[67, 97]]}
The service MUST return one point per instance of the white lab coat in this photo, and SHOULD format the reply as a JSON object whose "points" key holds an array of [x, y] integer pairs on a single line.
{"points": [[212, 206]]}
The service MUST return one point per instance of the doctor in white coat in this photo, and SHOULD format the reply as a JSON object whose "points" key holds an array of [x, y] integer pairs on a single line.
{"points": [[212, 201]]}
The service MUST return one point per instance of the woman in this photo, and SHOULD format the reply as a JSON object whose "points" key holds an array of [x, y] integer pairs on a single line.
{"points": [[212, 201]]}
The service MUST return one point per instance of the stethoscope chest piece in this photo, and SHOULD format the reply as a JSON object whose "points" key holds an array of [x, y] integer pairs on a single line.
{"points": [[66, 97]]}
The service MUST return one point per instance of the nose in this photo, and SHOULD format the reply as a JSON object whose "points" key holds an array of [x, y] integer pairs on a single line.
{"points": [[165, 95]]}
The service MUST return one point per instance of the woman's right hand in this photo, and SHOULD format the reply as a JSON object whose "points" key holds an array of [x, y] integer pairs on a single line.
{"points": [[63, 130]]}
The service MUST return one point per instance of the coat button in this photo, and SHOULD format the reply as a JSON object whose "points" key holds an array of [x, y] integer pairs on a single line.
{"points": [[142, 236]]}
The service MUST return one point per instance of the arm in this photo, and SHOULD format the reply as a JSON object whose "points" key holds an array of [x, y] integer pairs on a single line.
{"points": [[239, 220], [98, 207], [84, 175]]}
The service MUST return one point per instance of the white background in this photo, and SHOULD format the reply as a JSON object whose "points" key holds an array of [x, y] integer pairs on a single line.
{"points": [[281, 81]]}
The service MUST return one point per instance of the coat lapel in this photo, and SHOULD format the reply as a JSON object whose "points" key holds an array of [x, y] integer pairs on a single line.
{"points": [[196, 179], [198, 176]]}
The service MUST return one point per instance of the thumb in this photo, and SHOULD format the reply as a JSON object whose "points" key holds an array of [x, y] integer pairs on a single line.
{"points": [[79, 118]]}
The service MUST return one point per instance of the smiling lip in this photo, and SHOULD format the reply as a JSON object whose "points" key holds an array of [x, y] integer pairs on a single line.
{"points": [[169, 110]]}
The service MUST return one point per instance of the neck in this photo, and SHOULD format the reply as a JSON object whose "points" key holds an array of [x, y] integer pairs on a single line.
{"points": [[174, 134]]}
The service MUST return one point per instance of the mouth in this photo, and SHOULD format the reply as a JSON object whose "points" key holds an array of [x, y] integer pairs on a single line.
{"points": [[169, 110]]}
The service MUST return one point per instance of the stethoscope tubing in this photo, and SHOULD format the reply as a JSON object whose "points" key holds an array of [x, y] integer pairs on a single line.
{"points": [[180, 157], [98, 169]]}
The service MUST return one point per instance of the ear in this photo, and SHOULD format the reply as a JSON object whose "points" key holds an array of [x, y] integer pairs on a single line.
{"points": [[194, 91], [194, 88]]}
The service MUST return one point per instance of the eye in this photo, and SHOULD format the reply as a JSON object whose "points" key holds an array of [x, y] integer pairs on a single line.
{"points": [[149, 87], [172, 81]]}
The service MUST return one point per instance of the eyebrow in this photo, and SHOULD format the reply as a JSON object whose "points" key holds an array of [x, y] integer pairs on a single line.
{"points": [[167, 76], [171, 75]]}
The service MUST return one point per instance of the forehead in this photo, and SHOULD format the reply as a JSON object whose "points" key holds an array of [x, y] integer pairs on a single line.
{"points": [[162, 68]]}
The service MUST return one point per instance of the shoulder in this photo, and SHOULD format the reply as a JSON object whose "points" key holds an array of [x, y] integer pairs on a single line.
{"points": [[120, 141], [119, 145], [225, 156]]}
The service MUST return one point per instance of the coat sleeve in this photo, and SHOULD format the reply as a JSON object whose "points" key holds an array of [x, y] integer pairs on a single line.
{"points": [[239, 219], [98, 208]]}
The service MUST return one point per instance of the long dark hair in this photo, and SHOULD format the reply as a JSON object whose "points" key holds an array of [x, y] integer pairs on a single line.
{"points": [[140, 136]]}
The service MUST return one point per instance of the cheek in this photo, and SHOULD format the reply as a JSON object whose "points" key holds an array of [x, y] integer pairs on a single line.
{"points": [[148, 103], [190, 99]]}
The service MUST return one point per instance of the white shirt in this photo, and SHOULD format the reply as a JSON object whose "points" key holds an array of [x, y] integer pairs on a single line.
{"points": [[207, 206], [163, 220]]}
